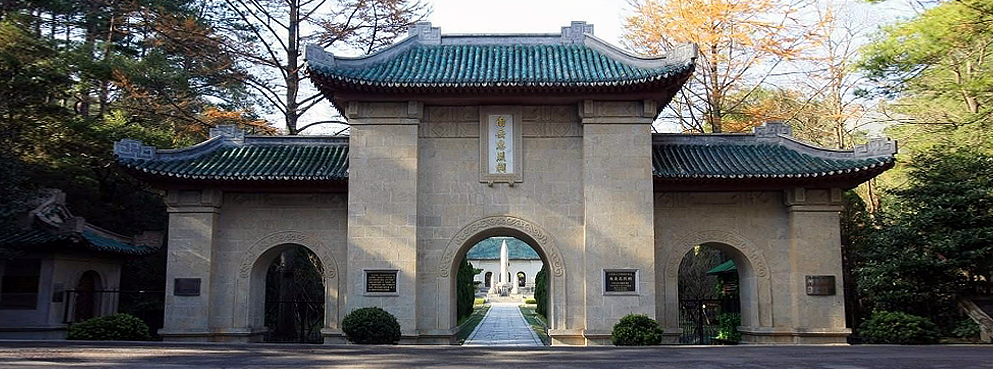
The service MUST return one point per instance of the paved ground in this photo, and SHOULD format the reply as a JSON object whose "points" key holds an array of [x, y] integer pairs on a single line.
{"points": [[27, 354], [503, 325]]}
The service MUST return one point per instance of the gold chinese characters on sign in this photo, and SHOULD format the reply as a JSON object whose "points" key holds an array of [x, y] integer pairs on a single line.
{"points": [[501, 144]]}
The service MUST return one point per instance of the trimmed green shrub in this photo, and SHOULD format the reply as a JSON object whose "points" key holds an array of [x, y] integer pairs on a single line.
{"points": [[899, 328], [727, 327], [636, 330], [541, 292], [371, 325], [118, 327], [966, 328], [530, 301], [465, 290]]}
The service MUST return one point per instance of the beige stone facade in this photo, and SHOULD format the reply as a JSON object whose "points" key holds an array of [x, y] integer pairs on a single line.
{"points": [[593, 191]]}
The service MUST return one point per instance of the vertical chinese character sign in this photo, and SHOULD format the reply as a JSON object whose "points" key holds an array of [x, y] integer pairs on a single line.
{"points": [[501, 144]]}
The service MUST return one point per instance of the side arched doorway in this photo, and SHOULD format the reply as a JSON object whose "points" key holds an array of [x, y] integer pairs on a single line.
{"points": [[753, 287], [502, 226], [294, 299], [87, 304]]}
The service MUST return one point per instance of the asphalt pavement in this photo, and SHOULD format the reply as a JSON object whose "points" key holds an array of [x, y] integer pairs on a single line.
{"points": [[57, 354]]}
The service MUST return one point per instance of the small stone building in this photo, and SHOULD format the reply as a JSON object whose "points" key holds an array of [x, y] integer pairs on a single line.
{"points": [[64, 270], [546, 138]]}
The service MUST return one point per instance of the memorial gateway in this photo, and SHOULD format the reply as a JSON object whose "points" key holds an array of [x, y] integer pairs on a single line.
{"points": [[546, 138]]}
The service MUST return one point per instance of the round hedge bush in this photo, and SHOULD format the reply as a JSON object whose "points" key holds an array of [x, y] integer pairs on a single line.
{"points": [[899, 328], [118, 327], [371, 325], [636, 330]]}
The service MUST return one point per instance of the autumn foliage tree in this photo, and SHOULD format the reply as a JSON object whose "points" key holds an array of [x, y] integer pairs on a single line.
{"points": [[740, 41]]}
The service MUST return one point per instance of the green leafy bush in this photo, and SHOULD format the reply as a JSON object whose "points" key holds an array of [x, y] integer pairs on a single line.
{"points": [[530, 301], [118, 327], [727, 327], [636, 330], [966, 328], [371, 325], [541, 292], [899, 328]]}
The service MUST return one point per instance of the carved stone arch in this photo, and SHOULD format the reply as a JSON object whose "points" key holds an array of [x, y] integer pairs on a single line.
{"points": [[250, 284], [756, 279], [505, 225], [544, 241]]}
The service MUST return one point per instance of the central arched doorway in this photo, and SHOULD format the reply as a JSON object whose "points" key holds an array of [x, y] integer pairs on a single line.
{"points": [[530, 234], [294, 296], [709, 305], [87, 296]]}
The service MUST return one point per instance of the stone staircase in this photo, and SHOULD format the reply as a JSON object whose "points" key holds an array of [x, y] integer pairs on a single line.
{"points": [[980, 310]]}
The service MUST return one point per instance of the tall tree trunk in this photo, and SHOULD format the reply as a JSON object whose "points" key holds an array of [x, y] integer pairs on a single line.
{"points": [[717, 93], [292, 68]]}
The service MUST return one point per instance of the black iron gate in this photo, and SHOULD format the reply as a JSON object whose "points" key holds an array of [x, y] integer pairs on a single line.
{"points": [[698, 319], [294, 321]]}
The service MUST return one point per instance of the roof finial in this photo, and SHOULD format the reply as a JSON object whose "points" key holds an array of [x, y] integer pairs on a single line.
{"points": [[228, 132], [134, 149], [425, 33], [576, 32], [876, 147], [772, 129]]}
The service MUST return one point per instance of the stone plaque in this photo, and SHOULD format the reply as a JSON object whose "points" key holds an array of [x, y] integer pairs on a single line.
{"points": [[381, 281], [620, 281], [822, 285], [186, 287]]}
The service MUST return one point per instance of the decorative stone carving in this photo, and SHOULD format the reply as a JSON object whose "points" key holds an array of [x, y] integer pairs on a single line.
{"points": [[425, 33], [773, 129], [134, 149], [229, 133], [876, 147], [289, 237], [539, 235], [679, 249], [315, 54], [575, 33]]}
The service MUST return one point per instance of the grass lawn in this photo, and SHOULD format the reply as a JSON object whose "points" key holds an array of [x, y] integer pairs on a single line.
{"points": [[468, 323], [537, 322]]}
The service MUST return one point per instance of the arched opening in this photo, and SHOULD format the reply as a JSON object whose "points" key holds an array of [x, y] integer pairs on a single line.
{"points": [[709, 288], [502, 260], [294, 295], [87, 304]]}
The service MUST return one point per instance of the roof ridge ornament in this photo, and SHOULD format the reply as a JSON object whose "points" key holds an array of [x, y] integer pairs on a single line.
{"points": [[875, 147], [228, 132], [134, 149], [575, 33], [314, 53], [425, 33], [772, 129]]}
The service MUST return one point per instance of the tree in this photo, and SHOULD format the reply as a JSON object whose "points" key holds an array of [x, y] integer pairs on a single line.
{"points": [[541, 292], [465, 288], [740, 42], [940, 66], [278, 30], [936, 240]]}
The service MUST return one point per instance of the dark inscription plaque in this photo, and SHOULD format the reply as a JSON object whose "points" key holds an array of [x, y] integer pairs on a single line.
{"points": [[822, 285], [385, 281], [186, 287], [619, 281]]}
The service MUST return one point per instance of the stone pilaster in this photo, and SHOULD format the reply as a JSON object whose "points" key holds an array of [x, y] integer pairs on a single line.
{"points": [[192, 249], [815, 250], [617, 192], [382, 207]]}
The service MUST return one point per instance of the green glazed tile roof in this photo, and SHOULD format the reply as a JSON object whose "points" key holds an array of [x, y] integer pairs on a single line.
{"points": [[754, 160], [86, 240], [499, 66], [287, 161], [489, 249], [726, 267]]}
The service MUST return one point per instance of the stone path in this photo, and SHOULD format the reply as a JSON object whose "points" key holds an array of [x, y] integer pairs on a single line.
{"points": [[503, 325]]}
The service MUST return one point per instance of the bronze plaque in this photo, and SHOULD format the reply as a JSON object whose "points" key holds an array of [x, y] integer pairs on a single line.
{"points": [[821, 285], [381, 281], [186, 287], [619, 281]]}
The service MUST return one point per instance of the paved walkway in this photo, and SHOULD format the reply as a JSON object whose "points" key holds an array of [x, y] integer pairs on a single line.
{"points": [[503, 325]]}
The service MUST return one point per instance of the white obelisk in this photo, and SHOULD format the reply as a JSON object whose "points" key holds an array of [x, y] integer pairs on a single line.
{"points": [[503, 267]]}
